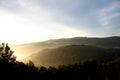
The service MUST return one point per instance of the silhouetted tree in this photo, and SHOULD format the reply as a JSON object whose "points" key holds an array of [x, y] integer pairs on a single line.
{"points": [[6, 54]]}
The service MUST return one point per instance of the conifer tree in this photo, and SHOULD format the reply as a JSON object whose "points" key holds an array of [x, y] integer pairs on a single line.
{"points": [[6, 54]]}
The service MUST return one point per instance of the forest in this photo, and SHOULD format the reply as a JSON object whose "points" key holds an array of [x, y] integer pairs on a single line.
{"points": [[86, 70]]}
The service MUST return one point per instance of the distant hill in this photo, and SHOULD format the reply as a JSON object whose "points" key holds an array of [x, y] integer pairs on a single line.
{"points": [[107, 42], [101, 42], [73, 54]]}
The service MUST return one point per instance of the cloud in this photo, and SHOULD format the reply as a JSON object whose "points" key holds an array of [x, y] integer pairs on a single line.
{"points": [[107, 20], [109, 17], [56, 18], [11, 5], [25, 25], [67, 31], [32, 23], [109, 9]]}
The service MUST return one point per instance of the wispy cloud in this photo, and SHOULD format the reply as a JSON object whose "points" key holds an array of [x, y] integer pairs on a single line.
{"points": [[32, 23], [109, 18], [106, 20], [109, 9], [56, 18]]}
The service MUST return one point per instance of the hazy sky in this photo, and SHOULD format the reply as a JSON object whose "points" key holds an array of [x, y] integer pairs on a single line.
{"points": [[23, 21]]}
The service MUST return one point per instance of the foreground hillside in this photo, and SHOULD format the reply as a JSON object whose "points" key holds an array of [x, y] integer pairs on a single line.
{"points": [[73, 54], [88, 70]]}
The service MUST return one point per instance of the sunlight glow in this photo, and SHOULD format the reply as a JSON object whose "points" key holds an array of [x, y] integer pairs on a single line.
{"points": [[15, 29], [20, 56]]}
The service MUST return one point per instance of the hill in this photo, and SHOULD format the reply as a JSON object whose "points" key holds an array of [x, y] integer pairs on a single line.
{"points": [[107, 42], [73, 54]]}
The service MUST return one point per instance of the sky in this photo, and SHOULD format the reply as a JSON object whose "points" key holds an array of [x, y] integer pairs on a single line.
{"points": [[25, 21]]}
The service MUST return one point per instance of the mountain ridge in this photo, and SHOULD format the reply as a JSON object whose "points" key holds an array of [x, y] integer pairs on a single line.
{"points": [[105, 42]]}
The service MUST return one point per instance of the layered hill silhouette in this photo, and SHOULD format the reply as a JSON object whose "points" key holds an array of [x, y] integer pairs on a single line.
{"points": [[70, 50], [72, 54], [107, 42]]}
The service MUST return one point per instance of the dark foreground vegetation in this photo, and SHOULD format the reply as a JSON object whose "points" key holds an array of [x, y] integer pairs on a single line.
{"points": [[10, 69], [89, 70]]}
